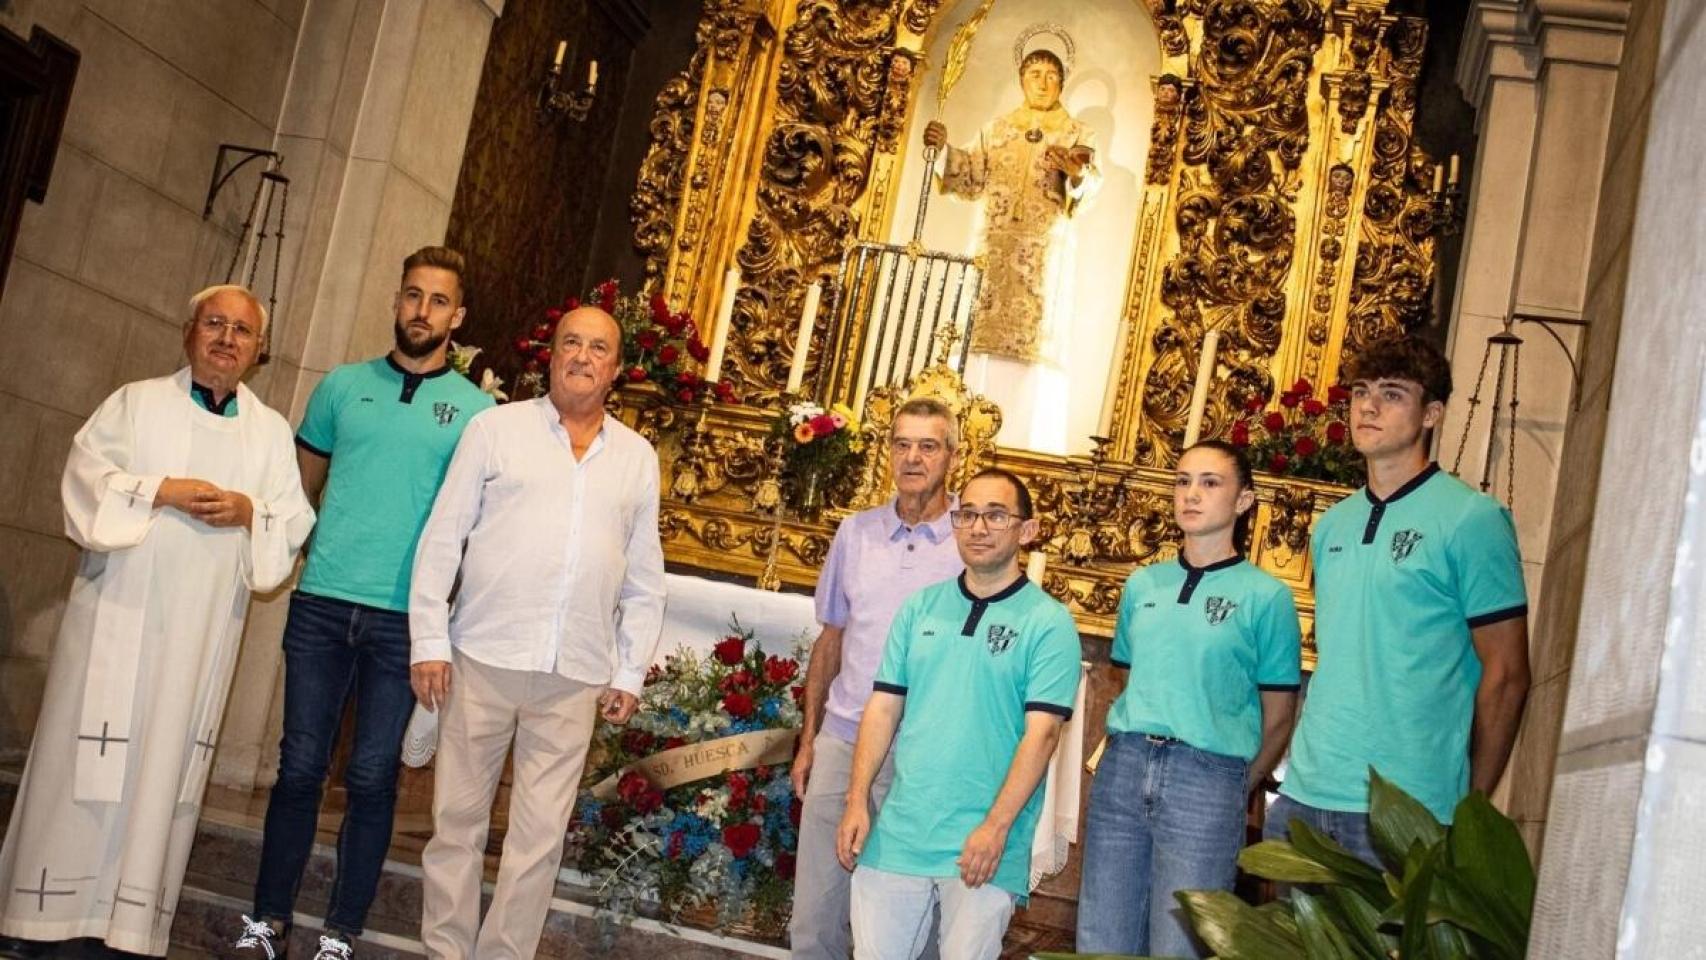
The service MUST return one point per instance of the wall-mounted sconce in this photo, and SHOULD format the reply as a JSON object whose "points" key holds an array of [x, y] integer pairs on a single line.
{"points": [[1447, 200], [556, 101]]}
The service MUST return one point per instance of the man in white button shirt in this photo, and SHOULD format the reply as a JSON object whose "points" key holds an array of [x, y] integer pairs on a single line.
{"points": [[549, 512]]}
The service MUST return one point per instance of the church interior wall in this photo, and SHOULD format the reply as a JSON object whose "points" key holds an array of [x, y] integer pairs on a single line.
{"points": [[104, 268]]}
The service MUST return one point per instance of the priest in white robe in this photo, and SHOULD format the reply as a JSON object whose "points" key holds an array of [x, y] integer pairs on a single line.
{"points": [[184, 495]]}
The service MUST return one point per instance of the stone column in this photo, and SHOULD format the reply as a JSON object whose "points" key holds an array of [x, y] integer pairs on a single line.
{"points": [[1541, 74], [372, 129]]}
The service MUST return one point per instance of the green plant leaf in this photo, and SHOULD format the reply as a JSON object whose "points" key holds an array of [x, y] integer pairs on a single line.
{"points": [[1083, 956], [1352, 872], [1396, 820], [1446, 942], [1279, 860], [1234, 930], [1322, 937], [1362, 921], [1490, 862], [1454, 903], [1412, 906]]}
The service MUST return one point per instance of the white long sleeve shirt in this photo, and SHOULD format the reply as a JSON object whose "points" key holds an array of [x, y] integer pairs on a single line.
{"points": [[561, 566]]}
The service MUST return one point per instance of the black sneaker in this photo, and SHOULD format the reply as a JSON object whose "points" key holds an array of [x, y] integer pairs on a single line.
{"points": [[335, 946], [14, 949], [262, 940]]}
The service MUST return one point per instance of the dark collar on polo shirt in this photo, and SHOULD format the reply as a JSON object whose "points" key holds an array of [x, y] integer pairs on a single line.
{"points": [[937, 530], [1377, 506], [205, 396], [1194, 575], [980, 604], [411, 380]]}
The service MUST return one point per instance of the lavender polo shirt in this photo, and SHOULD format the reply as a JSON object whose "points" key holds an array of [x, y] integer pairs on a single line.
{"points": [[875, 563]]}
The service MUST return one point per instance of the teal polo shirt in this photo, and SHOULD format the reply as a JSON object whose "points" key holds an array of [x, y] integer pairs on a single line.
{"points": [[389, 434], [1399, 585], [1205, 641], [970, 669]]}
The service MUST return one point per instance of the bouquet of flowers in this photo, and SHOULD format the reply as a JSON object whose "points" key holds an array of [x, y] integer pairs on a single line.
{"points": [[657, 345], [819, 447], [720, 830], [1307, 437]]}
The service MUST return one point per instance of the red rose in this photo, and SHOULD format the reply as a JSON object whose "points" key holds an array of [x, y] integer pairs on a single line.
{"points": [[636, 741], [675, 845], [697, 350], [613, 816], [738, 705], [759, 803], [522, 344], [1314, 407], [659, 307], [1305, 446], [822, 425], [1274, 421], [632, 785], [647, 339], [685, 395], [636, 374], [1255, 404], [740, 838], [738, 787], [738, 682], [553, 315], [778, 670], [667, 354], [725, 391], [607, 296], [674, 742], [542, 355], [1302, 387], [573, 303], [542, 331], [653, 674], [649, 801], [799, 692], [1241, 433], [785, 866], [675, 323], [731, 650], [1278, 463], [1338, 394], [687, 378], [1289, 400], [1337, 432]]}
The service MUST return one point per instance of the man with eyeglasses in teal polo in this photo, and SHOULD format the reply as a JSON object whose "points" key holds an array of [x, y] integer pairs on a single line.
{"points": [[978, 676]]}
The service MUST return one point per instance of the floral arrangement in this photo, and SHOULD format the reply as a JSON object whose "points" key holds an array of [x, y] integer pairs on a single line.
{"points": [[820, 447], [726, 841], [657, 345], [462, 358], [1307, 437]]}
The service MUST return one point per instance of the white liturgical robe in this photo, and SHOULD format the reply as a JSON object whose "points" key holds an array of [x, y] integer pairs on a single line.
{"points": [[107, 808]]}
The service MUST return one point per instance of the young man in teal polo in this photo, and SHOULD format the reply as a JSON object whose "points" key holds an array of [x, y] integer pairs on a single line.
{"points": [[978, 675], [377, 436], [1421, 619]]}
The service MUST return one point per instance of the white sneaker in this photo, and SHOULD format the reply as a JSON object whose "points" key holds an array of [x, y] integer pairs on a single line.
{"points": [[260, 939], [420, 740], [334, 948]]}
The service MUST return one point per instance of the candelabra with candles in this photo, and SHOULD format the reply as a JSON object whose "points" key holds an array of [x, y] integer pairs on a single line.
{"points": [[556, 101], [1446, 199]]}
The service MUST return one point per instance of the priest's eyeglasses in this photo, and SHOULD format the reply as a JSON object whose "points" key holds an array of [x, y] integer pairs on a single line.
{"points": [[217, 325], [992, 519]]}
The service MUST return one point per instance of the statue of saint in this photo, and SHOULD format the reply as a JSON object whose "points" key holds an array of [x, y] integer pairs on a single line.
{"points": [[1032, 168]]}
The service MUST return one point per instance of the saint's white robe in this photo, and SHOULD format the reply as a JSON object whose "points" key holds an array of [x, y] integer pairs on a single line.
{"points": [[107, 808]]}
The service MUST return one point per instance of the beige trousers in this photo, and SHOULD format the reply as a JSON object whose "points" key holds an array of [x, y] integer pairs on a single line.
{"points": [[550, 721]]}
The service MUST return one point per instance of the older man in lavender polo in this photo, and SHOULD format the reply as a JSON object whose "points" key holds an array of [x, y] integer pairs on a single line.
{"points": [[879, 558]]}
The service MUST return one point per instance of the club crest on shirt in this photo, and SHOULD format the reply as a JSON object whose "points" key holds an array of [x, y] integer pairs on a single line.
{"points": [[444, 413], [1217, 609], [1403, 542], [1000, 638]]}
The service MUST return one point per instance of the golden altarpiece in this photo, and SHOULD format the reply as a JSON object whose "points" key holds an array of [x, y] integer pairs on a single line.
{"points": [[1283, 205]]}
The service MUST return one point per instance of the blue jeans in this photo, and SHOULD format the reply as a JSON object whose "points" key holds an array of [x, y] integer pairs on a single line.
{"points": [[331, 649], [1164, 816], [1348, 830]]}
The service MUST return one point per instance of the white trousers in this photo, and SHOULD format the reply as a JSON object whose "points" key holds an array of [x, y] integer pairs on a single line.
{"points": [[892, 912], [550, 721]]}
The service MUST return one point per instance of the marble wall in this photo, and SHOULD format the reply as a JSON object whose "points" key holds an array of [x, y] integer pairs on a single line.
{"points": [[368, 100], [1621, 871]]}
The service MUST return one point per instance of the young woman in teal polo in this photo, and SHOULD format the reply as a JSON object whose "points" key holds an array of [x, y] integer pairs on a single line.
{"points": [[1210, 643]]}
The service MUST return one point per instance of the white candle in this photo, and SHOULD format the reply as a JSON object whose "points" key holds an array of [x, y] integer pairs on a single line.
{"points": [[867, 365], [592, 75], [1036, 564], [1452, 179], [1110, 393], [562, 48], [803, 340], [720, 329], [1439, 179], [1199, 394]]}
